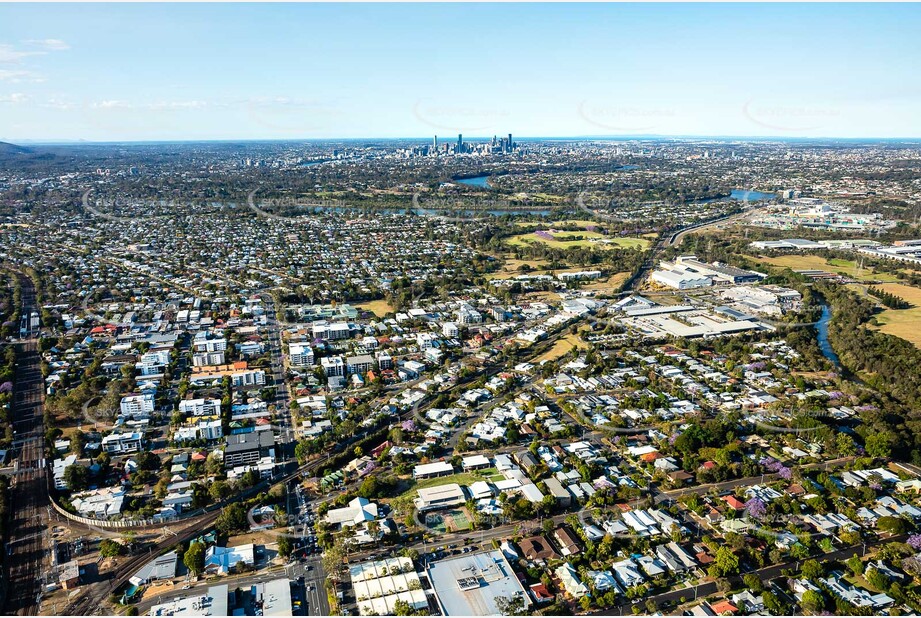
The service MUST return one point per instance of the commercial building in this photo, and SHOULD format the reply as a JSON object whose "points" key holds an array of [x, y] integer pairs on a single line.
{"points": [[380, 584], [213, 603], [358, 511], [275, 596], [470, 585], [160, 568], [220, 560]]}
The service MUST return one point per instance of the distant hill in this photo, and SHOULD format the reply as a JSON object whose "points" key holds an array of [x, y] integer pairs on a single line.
{"points": [[12, 149], [31, 158]]}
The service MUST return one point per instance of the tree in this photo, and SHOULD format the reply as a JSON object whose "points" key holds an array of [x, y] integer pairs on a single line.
{"points": [[844, 444], [285, 547], [879, 444], [855, 564], [773, 604], [725, 563], [76, 477], [332, 559], [110, 549], [511, 606], [753, 582], [302, 451], [232, 519], [194, 558], [892, 525], [402, 608], [220, 490], [812, 570], [249, 478], [813, 602], [876, 579]]}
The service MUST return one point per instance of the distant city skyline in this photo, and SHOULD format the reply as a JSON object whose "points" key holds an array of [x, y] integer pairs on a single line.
{"points": [[170, 72]]}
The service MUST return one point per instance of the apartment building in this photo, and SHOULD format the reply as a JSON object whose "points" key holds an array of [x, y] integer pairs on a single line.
{"points": [[301, 355], [138, 405], [200, 407]]}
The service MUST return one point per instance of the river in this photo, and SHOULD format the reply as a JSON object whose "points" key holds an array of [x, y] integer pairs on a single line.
{"points": [[740, 195], [824, 345], [477, 181]]}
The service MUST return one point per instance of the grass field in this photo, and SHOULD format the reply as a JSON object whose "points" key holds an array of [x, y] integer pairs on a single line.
{"points": [[567, 240], [380, 308], [904, 323], [816, 262], [561, 347]]}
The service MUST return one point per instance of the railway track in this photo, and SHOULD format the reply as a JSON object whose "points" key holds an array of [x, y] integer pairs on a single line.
{"points": [[25, 552]]}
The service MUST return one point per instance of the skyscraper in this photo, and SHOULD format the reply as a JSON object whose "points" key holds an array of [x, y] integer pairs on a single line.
{"points": [[435, 143], [460, 143], [508, 146]]}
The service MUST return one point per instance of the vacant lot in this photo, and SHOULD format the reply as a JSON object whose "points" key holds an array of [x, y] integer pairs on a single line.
{"points": [[380, 308], [570, 240], [815, 262], [510, 268], [561, 347], [610, 285]]}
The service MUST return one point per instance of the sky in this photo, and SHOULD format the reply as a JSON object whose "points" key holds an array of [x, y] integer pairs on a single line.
{"points": [[127, 72]]}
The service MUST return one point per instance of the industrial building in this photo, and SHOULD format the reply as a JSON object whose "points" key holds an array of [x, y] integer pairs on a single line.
{"points": [[687, 272]]}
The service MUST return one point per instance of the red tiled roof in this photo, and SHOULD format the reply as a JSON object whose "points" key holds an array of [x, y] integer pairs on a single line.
{"points": [[723, 607]]}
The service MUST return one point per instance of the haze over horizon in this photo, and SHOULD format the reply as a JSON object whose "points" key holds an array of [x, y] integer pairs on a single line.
{"points": [[269, 72]]}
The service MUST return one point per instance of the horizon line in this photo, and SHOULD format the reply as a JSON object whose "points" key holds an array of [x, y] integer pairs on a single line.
{"points": [[651, 136]]}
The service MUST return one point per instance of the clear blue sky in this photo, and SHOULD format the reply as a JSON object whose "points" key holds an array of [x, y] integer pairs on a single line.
{"points": [[240, 71]]}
